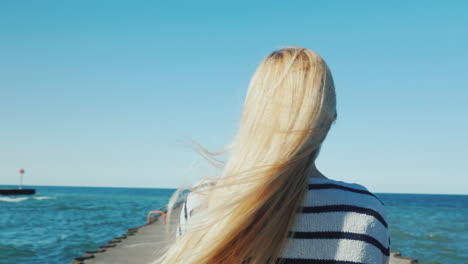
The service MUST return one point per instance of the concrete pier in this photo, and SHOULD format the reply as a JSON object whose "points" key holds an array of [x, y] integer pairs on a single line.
{"points": [[17, 191], [141, 246]]}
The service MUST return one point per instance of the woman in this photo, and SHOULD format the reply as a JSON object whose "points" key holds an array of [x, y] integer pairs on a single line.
{"points": [[270, 203]]}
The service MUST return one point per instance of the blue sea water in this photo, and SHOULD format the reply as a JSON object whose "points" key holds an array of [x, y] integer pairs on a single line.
{"points": [[431, 228], [61, 223]]}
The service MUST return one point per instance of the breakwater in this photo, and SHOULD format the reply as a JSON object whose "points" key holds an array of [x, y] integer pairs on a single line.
{"points": [[139, 245]]}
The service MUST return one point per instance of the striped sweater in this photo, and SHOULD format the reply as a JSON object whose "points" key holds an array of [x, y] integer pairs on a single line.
{"points": [[340, 223]]}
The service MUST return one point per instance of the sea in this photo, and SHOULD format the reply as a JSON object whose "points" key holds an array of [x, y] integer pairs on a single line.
{"points": [[61, 223]]}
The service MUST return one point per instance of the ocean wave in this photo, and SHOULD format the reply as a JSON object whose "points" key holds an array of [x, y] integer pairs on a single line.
{"points": [[20, 199], [13, 200], [43, 198]]}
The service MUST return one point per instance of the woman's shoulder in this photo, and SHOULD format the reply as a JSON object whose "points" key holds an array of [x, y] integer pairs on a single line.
{"points": [[196, 194], [329, 181], [325, 190], [350, 209]]}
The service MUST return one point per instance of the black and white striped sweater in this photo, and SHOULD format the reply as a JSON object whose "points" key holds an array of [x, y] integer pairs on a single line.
{"points": [[340, 223]]}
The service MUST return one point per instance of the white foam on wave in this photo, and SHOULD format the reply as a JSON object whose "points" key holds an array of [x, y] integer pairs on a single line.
{"points": [[13, 200], [43, 198], [20, 199]]}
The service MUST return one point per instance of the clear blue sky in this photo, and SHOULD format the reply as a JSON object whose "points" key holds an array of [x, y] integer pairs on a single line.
{"points": [[99, 93]]}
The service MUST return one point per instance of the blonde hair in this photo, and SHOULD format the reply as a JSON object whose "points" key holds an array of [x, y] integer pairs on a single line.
{"points": [[247, 213]]}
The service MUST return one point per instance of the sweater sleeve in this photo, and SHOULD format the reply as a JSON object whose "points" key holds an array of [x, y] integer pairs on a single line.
{"points": [[384, 234], [190, 203], [386, 259], [183, 218]]}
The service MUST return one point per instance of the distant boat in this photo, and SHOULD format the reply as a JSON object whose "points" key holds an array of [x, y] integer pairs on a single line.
{"points": [[17, 191]]}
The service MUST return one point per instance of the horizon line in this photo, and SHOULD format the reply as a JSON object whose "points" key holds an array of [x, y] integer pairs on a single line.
{"points": [[175, 188]]}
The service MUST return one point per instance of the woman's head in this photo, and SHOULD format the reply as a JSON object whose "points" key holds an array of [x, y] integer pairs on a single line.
{"points": [[289, 108], [290, 101]]}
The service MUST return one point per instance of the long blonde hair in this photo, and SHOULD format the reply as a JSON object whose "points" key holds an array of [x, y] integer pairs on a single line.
{"points": [[247, 212]]}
